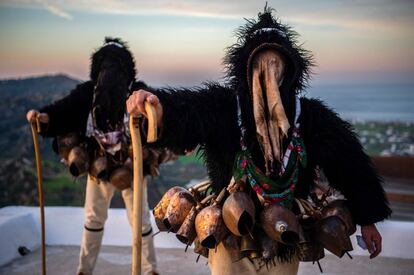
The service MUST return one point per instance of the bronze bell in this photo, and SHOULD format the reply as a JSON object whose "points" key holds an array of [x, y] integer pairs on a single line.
{"points": [[121, 178], [78, 161], [66, 143], [339, 208], [187, 232], [99, 168], [160, 209], [309, 249], [178, 209], [331, 232], [239, 213], [280, 224], [209, 224], [249, 247]]}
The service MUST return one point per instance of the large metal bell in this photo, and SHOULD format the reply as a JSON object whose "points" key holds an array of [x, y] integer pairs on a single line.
{"points": [[339, 208], [210, 226], [332, 233], [160, 209], [280, 224], [239, 213], [178, 209]]}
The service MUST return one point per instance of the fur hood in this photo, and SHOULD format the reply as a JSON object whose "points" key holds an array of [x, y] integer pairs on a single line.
{"points": [[117, 49], [267, 31]]}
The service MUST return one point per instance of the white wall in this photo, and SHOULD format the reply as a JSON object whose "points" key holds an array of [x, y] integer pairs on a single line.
{"points": [[21, 226]]}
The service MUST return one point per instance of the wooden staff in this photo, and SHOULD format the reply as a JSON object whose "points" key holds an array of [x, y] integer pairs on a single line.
{"points": [[35, 127], [139, 181]]}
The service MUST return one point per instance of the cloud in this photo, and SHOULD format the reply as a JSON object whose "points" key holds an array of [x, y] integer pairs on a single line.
{"points": [[349, 9], [56, 10]]}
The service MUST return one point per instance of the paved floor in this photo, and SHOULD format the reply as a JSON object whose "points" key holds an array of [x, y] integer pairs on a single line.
{"points": [[62, 260]]}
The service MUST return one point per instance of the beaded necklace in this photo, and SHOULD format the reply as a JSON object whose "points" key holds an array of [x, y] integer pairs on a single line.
{"points": [[281, 190]]}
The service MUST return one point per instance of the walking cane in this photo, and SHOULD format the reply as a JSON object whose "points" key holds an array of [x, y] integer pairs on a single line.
{"points": [[35, 127], [138, 182]]}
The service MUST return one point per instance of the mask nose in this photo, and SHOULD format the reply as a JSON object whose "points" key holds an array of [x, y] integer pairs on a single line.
{"points": [[272, 124]]}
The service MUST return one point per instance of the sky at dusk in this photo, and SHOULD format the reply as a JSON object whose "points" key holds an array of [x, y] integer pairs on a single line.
{"points": [[183, 42]]}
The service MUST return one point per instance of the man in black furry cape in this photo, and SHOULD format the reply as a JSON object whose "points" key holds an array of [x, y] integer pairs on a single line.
{"points": [[94, 109], [209, 116]]}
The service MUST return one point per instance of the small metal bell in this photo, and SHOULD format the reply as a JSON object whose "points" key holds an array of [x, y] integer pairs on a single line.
{"points": [[78, 161], [249, 247]]}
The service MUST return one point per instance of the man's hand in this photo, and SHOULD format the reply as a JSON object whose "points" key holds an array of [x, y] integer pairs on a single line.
{"points": [[372, 239], [32, 115], [136, 104]]}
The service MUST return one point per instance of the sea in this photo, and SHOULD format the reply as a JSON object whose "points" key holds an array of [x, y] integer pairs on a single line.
{"points": [[388, 103]]}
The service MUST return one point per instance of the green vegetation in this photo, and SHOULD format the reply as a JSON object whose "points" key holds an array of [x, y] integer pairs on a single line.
{"points": [[192, 159], [63, 190]]}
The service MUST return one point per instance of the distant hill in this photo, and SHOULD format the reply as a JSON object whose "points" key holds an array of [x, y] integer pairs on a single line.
{"points": [[43, 85]]}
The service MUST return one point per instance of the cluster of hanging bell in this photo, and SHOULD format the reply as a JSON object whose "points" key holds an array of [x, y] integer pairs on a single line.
{"points": [[73, 150], [205, 220]]}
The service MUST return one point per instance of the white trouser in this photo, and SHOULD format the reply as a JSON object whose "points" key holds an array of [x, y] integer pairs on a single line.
{"points": [[97, 201], [220, 263]]}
